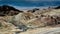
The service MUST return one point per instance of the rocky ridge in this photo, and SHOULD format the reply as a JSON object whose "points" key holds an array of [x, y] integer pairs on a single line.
{"points": [[23, 21]]}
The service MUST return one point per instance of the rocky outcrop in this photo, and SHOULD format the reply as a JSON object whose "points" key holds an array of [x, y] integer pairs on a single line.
{"points": [[46, 18], [28, 20], [33, 10], [57, 7], [8, 10], [7, 28]]}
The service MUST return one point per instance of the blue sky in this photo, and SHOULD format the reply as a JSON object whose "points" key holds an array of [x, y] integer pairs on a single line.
{"points": [[30, 0], [30, 3]]}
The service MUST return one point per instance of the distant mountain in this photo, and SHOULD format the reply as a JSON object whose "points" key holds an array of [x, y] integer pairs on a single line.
{"points": [[8, 10], [57, 7]]}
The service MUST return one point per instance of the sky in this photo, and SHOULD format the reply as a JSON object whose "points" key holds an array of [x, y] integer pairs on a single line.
{"points": [[30, 3]]}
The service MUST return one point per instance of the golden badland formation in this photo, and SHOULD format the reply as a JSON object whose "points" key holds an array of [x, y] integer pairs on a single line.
{"points": [[14, 19]]}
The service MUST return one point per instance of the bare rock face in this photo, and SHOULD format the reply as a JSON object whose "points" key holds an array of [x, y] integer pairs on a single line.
{"points": [[35, 23], [29, 20], [34, 10], [57, 7], [8, 10], [48, 20], [32, 21], [24, 17], [7, 28], [26, 20]]}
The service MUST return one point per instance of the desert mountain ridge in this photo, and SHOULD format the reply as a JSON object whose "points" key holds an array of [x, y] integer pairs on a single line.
{"points": [[8, 10], [18, 22]]}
